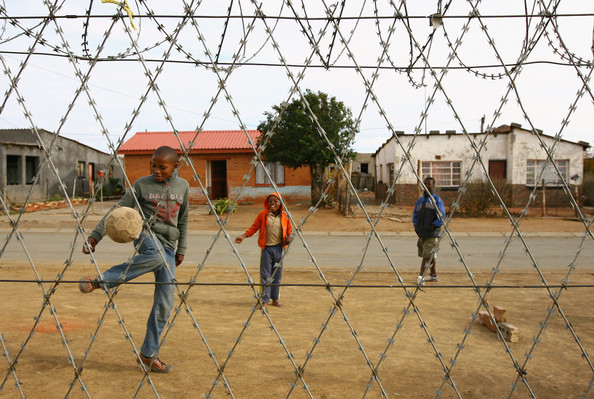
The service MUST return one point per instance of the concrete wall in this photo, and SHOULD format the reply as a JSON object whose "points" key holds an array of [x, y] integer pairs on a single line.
{"points": [[65, 155], [363, 180], [297, 185], [366, 158], [384, 156], [514, 145]]}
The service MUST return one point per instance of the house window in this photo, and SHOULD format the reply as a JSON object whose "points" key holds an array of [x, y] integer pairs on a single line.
{"points": [[445, 173], [80, 169], [31, 168], [276, 171], [550, 176], [391, 173], [13, 170], [364, 168]]}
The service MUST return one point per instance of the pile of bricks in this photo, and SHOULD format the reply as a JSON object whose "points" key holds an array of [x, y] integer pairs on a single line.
{"points": [[510, 332]]}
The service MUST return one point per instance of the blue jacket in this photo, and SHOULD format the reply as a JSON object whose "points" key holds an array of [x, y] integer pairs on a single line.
{"points": [[425, 219]]}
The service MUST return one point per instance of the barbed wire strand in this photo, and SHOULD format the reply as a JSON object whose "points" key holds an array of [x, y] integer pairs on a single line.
{"points": [[222, 72]]}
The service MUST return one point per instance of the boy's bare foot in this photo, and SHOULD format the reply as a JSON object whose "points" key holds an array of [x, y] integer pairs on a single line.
{"points": [[276, 303]]}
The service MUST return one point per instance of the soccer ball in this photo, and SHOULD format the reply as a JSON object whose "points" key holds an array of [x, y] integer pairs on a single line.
{"points": [[123, 224]]}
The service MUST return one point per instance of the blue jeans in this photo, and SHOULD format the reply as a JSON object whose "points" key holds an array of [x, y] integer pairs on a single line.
{"points": [[149, 259], [269, 257]]}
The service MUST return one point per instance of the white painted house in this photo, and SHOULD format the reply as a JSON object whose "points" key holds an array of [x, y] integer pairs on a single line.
{"points": [[512, 154]]}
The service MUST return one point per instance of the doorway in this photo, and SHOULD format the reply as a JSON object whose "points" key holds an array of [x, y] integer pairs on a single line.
{"points": [[498, 170], [218, 178]]}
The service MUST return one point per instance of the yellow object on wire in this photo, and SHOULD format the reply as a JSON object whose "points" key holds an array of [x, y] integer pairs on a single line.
{"points": [[126, 8]]}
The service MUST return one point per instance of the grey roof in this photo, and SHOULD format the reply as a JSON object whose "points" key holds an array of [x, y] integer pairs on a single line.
{"points": [[18, 136], [503, 129], [27, 137]]}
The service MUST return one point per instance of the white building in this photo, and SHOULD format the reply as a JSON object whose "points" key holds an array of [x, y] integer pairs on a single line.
{"points": [[512, 154]]}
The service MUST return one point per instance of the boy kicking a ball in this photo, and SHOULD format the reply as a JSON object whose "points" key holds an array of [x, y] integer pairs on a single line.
{"points": [[163, 199]]}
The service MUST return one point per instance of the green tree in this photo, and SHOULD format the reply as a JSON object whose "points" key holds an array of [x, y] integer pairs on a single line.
{"points": [[589, 165], [588, 181], [295, 139]]}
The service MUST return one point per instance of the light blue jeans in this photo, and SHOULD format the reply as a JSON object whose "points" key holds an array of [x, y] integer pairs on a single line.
{"points": [[149, 259]]}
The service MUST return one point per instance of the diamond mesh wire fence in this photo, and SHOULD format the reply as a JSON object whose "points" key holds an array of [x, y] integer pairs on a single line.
{"points": [[103, 71]]}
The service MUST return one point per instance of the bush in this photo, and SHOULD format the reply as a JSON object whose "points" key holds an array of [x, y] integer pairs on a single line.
{"points": [[479, 200], [222, 206], [112, 188], [588, 190], [56, 197]]}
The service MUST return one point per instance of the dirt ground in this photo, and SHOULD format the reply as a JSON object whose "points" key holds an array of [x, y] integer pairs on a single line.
{"points": [[333, 348]]}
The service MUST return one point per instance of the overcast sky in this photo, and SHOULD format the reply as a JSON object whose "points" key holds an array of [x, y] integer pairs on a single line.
{"points": [[474, 84]]}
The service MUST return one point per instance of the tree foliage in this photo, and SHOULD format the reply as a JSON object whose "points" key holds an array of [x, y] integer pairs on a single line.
{"points": [[295, 140], [589, 166]]}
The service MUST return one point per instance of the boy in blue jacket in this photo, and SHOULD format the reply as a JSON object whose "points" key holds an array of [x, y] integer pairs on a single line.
{"points": [[428, 228], [163, 198]]}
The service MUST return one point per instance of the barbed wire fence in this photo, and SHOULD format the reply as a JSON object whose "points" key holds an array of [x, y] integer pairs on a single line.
{"points": [[177, 37]]}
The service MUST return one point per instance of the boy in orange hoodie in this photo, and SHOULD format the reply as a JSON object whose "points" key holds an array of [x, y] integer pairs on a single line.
{"points": [[274, 234]]}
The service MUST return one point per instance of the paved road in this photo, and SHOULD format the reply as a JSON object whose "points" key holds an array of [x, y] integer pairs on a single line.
{"points": [[480, 251]]}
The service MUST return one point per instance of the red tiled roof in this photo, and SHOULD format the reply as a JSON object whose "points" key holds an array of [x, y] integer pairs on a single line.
{"points": [[206, 140]]}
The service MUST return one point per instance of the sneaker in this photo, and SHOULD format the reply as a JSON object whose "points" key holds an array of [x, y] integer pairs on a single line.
{"points": [[88, 284], [420, 281], [432, 278], [156, 365], [276, 303]]}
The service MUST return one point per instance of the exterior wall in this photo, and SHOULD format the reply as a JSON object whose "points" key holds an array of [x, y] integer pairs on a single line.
{"points": [[65, 156], [514, 145], [364, 158], [386, 155], [137, 166], [404, 194], [526, 146], [18, 193], [363, 180], [447, 147], [553, 196], [297, 181]]}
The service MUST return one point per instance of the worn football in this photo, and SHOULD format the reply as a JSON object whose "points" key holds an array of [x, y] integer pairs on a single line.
{"points": [[123, 224]]}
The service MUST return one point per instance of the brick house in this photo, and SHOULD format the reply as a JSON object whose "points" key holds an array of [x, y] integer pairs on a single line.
{"points": [[222, 159], [513, 155]]}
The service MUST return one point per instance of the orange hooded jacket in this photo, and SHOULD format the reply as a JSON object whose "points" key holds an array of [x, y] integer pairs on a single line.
{"points": [[262, 220]]}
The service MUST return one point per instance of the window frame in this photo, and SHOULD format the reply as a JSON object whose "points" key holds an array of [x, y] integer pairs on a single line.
{"points": [[436, 170], [275, 169], [81, 169], [31, 168], [533, 168], [13, 170]]}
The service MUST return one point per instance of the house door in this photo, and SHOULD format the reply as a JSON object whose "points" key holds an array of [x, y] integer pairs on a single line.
{"points": [[91, 171], [218, 178], [498, 170]]}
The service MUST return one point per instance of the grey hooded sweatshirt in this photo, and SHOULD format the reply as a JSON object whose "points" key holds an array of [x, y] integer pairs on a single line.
{"points": [[168, 200]]}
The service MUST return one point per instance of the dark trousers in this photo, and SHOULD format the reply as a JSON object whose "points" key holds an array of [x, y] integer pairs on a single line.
{"points": [[269, 274]]}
